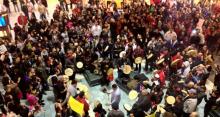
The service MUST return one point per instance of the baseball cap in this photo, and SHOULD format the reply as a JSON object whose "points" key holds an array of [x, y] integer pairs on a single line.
{"points": [[193, 91]]}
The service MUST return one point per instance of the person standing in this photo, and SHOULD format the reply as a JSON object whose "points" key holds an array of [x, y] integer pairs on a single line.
{"points": [[7, 5], [15, 3], [30, 7], [96, 29], [210, 103], [142, 105], [62, 2], [81, 98], [71, 91], [21, 3], [42, 10], [115, 95], [115, 112], [190, 103], [138, 52], [24, 8]]}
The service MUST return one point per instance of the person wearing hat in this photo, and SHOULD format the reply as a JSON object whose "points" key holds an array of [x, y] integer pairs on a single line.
{"points": [[121, 62], [138, 52], [99, 111], [105, 66], [190, 103], [143, 104], [115, 112], [81, 99], [150, 57], [176, 62]]}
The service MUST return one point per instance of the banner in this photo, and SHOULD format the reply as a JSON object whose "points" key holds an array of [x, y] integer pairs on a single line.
{"points": [[76, 106]]}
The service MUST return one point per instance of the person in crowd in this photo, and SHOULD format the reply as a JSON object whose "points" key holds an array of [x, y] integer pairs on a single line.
{"points": [[115, 95], [81, 99], [71, 91], [15, 3], [42, 10], [99, 111], [210, 103], [115, 112], [142, 105], [190, 103], [6, 3]]}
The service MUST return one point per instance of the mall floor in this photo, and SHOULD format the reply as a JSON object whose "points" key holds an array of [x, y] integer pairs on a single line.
{"points": [[95, 93]]}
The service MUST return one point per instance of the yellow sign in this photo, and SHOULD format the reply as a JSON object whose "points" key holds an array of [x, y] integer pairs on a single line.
{"points": [[76, 106]]}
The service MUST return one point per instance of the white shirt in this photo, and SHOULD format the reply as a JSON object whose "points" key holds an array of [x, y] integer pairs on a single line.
{"points": [[169, 35], [116, 96], [190, 105], [96, 30]]}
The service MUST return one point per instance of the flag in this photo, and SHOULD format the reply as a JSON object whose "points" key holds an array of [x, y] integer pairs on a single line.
{"points": [[76, 106]]}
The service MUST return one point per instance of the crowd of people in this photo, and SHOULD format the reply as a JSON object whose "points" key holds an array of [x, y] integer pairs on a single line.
{"points": [[176, 44]]}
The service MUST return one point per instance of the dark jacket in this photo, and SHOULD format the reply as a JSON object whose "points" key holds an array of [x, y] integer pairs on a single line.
{"points": [[115, 113]]}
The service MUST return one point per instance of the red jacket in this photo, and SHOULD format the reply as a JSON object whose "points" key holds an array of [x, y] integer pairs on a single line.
{"points": [[162, 77], [84, 102], [22, 20]]}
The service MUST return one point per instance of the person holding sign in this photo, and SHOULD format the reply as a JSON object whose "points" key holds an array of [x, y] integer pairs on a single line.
{"points": [[81, 98]]}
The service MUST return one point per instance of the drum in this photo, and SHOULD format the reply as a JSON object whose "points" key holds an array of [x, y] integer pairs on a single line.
{"points": [[175, 62], [68, 71], [79, 65], [160, 61], [106, 48], [133, 94], [170, 100], [127, 107], [127, 69], [96, 71], [122, 53], [138, 60], [149, 56], [100, 60]]}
